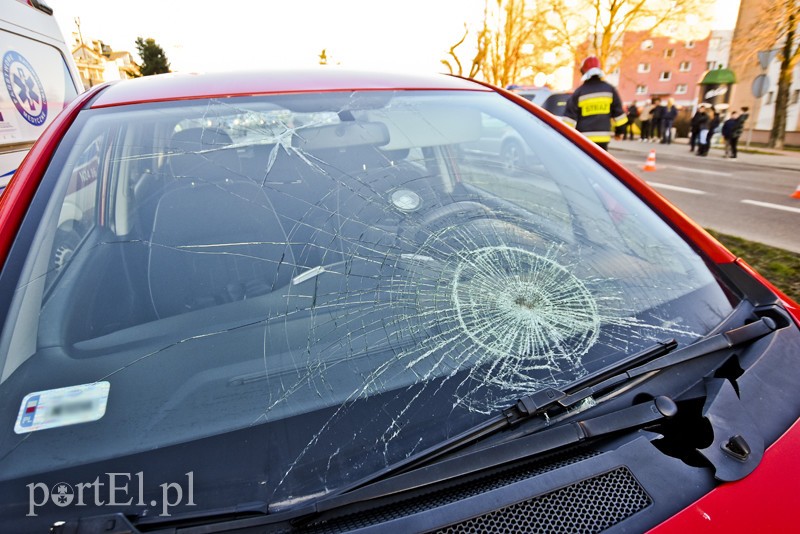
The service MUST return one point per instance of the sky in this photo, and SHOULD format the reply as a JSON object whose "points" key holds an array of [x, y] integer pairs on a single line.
{"points": [[412, 35], [407, 35]]}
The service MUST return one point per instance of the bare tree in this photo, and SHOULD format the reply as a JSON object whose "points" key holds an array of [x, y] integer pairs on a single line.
{"points": [[776, 26], [511, 45], [454, 65], [598, 27]]}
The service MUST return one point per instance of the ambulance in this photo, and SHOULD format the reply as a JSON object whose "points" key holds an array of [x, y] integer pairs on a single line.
{"points": [[38, 78]]}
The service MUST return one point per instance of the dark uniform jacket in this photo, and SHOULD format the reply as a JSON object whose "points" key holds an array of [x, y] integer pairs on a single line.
{"points": [[595, 109]]}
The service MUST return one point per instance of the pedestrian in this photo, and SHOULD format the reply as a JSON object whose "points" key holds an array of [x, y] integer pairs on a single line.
{"points": [[633, 115], [728, 127], [594, 108], [667, 119], [695, 128], [738, 131], [703, 124], [655, 120], [712, 125], [645, 121]]}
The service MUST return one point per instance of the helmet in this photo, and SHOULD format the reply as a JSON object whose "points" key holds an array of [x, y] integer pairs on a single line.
{"points": [[590, 62], [591, 67]]}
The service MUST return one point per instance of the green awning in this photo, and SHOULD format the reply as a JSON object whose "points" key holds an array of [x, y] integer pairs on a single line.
{"points": [[719, 77]]}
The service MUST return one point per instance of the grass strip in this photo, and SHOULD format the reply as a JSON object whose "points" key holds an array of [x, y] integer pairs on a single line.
{"points": [[781, 267]]}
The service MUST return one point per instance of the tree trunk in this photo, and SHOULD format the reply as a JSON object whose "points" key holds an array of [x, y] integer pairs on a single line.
{"points": [[778, 132]]}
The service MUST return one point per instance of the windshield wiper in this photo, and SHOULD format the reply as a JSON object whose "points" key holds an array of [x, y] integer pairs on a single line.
{"points": [[537, 404], [541, 439]]}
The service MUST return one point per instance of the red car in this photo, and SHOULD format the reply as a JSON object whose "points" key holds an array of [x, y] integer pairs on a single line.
{"points": [[294, 302]]}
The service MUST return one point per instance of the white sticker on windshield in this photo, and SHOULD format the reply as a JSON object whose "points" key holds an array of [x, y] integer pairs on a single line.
{"points": [[61, 407]]}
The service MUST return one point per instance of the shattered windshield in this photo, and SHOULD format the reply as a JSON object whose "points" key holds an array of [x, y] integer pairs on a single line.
{"points": [[341, 279]]}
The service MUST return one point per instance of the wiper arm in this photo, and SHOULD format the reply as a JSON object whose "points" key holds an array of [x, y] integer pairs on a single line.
{"points": [[525, 408], [724, 340], [657, 357]]}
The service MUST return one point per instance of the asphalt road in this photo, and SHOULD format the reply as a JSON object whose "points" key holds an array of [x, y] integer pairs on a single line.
{"points": [[749, 197]]}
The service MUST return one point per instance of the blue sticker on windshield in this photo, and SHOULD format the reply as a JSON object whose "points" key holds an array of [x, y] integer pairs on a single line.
{"points": [[25, 88]]}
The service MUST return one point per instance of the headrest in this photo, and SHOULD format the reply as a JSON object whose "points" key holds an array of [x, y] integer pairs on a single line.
{"points": [[202, 153]]}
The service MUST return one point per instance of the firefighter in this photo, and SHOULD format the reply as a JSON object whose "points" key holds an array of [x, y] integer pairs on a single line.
{"points": [[595, 109]]}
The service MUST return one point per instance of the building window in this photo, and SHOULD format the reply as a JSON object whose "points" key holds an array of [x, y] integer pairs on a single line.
{"points": [[795, 96], [647, 44], [681, 89], [769, 98], [685, 66], [714, 43], [643, 67], [710, 65], [641, 89], [665, 76], [669, 52], [690, 44]]}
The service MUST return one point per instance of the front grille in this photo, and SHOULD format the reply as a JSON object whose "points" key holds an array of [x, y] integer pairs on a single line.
{"points": [[591, 505]]}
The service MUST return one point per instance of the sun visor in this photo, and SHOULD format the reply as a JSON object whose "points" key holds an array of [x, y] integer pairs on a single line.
{"points": [[429, 125]]}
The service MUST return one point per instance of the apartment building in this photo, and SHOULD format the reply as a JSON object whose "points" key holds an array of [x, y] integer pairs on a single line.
{"points": [[762, 110]]}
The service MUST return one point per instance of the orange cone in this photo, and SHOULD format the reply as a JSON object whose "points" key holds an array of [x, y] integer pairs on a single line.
{"points": [[650, 164], [796, 193]]}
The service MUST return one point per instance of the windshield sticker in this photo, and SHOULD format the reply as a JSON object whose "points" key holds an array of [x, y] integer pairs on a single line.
{"points": [[25, 88], [62, 407]]}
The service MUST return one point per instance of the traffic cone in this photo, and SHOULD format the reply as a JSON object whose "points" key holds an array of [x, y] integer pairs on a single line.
{"points": [[796, 193], [650, 164]]}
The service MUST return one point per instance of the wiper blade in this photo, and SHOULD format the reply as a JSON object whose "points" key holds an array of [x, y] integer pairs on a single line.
{"points": [[525, 408], [657, 357], [724, 340], [552, 439]]}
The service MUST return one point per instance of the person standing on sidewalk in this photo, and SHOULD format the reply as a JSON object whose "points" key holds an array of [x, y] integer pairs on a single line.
{"points": [[667, 119], [738, 131], [728, 127], [594, 108], [645, 119], [655, 122], [633, 114], [703, 123], [716, 119], [694, 125]]}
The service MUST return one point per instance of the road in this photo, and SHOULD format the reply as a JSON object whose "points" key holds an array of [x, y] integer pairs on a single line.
{"points": [[741, 197]]}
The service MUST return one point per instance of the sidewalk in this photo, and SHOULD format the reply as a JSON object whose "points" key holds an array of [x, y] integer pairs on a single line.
{"points": [[765, 157]]}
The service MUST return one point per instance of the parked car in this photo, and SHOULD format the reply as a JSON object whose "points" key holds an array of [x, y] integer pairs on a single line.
{"points": [[553, 101], [38, 74], [291, 301]]}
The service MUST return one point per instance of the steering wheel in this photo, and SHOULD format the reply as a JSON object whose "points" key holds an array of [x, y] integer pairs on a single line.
{"points": [[457, 215]]}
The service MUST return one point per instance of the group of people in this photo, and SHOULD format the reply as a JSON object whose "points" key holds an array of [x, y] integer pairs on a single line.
{"points": [[656, 119], [596, 110]]}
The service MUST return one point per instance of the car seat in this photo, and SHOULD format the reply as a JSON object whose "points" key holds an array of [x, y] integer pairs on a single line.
{"points": [[215, 235]]}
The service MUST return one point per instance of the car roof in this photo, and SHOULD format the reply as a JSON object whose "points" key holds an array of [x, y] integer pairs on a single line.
{"points": [[189, 86]]}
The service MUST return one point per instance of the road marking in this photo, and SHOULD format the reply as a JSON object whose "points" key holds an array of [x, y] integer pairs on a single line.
{"points": [[773, 206], [676, 188], [631, 164], [700, 171]]}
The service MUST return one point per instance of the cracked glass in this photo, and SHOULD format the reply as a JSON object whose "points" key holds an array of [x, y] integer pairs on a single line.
{"points": [[340, 279]]}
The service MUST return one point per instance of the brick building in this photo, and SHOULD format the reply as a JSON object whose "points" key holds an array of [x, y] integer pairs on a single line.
{"points": [[660, 66]]}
